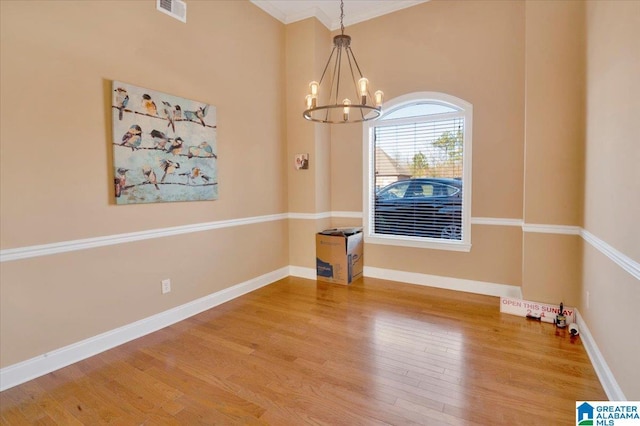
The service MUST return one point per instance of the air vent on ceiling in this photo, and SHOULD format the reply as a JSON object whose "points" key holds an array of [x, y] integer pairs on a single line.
{"points": [[175, 8]]}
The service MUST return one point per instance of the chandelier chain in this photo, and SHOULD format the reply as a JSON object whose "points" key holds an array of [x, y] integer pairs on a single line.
{"points": [[342, 17]]}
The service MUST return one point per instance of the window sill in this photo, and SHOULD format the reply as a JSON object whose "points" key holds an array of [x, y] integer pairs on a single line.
{"points": [[402, 241]]}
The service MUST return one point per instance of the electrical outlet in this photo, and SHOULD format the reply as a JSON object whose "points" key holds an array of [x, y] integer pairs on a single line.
{"points": [[587, 301], [166, 286]]}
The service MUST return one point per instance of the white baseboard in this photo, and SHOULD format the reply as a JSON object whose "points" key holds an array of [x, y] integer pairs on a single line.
{"points": [[302, 272], [458, 284], [449, 283], [16, 374], [607, 380]]}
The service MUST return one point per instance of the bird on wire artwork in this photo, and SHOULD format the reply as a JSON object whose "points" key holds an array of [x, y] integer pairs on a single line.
{"points": [[193, 174], [160, 140], [121, 180], [133, 137], [164, 147], [176, 146], [148, 172], [167, 112], [149, 105], [197, 115], [168, 167], [122, 99]]}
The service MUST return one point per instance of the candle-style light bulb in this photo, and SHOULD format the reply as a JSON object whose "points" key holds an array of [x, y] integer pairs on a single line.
{"points": [[363, 88], [345, 110], [314, 87], [379, 97], [309, 101]]}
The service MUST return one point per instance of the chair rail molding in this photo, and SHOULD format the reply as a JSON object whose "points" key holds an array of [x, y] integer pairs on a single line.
{"points": [[621, 259], [7, 255]]}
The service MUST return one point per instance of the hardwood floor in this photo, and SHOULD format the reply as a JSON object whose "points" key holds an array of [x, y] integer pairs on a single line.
{"points": [[300, 352]]}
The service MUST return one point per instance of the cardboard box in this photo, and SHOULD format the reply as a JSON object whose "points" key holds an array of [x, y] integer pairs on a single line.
{"points": [[339, 255]]}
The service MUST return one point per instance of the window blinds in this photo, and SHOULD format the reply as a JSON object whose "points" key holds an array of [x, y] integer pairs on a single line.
{"points": [[418, 177]]}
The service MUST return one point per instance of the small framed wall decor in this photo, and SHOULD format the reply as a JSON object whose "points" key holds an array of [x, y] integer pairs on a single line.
{"points": [[302, 161], [164, 147]]}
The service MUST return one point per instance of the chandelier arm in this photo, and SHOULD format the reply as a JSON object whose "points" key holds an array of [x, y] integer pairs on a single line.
{"points": [[355, 61], [360, 72], [334, 80], [327, 65], [361, 113], [339, 66], [333, 76], [353, 77]]}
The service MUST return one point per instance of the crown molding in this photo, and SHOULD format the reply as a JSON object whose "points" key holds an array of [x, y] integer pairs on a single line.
{"points": [[288, 12], [367, 14]]}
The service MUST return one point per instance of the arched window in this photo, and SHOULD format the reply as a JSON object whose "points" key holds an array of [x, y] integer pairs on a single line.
{"points": [[418, 173]]}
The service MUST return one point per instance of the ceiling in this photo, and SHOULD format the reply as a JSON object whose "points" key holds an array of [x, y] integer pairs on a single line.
{"points": [[328, 11]]}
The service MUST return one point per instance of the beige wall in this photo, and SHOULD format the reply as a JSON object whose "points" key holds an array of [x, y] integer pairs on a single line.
{"points": [[58, 59], [554, 148], [612, 184], [306, 43], [554, 111], [52, 301], [496, 257], [307, 47], [612, 201], [551, 268], [613, 317], [472, 50]]}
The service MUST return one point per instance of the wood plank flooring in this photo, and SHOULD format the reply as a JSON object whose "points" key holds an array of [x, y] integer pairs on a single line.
{"points": [[300, 352]]}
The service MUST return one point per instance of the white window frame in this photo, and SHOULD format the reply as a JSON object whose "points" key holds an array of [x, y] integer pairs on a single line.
{"points": [[368, 179]]}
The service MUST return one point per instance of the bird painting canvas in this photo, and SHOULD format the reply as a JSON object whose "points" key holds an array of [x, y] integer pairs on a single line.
{"points": [[164, 147]]}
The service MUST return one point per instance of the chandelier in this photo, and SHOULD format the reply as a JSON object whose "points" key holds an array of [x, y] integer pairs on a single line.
{"points": [[364, 107]]}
